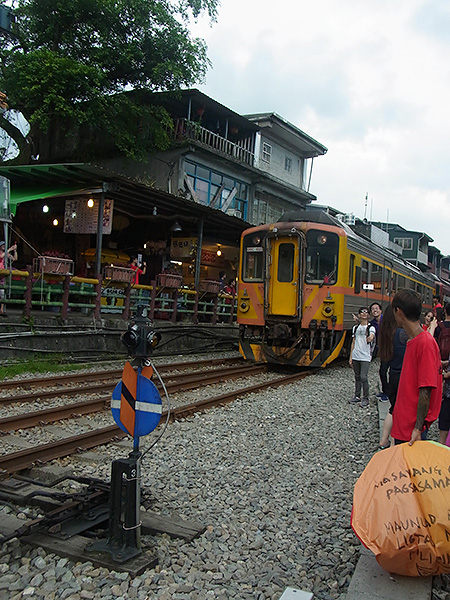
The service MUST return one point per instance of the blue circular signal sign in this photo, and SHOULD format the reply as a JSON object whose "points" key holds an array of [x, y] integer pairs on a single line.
{"points": [[143, 404]]}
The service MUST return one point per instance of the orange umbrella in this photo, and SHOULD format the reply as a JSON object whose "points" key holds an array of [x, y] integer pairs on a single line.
{"points": [[401, 508]]}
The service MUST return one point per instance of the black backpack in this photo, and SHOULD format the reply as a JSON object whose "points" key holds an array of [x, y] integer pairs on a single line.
{"points": [[444, 341]]}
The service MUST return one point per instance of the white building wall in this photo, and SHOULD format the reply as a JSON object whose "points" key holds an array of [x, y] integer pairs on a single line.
{"points": [[281, 159]]}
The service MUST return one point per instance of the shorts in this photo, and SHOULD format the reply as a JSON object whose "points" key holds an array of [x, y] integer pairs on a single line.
{"points": [[2, 293], [444, 415]]}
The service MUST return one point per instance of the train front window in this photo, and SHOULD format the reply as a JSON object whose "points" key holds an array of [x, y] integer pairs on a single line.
{"points": [[322, 249], [286, 257], [253, 257]]}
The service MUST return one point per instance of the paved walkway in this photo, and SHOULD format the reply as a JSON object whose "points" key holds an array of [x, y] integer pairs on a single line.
{"points": [[371, 582]]}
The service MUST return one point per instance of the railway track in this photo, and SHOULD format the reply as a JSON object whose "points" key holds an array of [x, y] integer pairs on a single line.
{"points": [[176, 383], [72, 378], [179, 381], [16, 461]]}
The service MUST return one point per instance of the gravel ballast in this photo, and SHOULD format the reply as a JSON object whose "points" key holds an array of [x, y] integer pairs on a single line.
{"points": [[271, 476]]}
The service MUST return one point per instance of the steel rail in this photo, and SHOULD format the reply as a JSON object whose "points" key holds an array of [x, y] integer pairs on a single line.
{"points": [[105, 387], [73, 377], [187, 382], [17, 461]]}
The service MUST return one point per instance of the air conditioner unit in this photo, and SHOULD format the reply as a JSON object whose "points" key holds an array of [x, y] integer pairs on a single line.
{"points": [[348, 218], [234, 213]]}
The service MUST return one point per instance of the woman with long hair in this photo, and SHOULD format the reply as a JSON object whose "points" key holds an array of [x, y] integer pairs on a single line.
{"points": [[391, 345]]}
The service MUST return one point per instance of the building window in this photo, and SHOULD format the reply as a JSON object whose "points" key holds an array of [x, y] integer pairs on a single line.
{"points": [[288, 164], [266, 152], [207, 184], [405, 243], [265, 212]]}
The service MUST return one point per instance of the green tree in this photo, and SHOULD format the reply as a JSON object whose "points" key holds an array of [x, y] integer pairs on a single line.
{"points": [[81, 69]]}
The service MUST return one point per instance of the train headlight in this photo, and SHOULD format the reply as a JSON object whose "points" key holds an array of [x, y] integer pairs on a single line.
{"points": [[327, 310], [328, 306], [244, 306]]}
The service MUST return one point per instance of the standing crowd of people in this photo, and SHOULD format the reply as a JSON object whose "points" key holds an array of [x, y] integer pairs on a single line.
{"points": [[414, 366]]}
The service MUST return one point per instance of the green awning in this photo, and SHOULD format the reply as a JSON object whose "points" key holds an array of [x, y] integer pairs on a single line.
{"points": [[19, 195]]}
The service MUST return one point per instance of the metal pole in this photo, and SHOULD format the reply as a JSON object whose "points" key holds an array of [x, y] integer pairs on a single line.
{"points": [[198, 257], [98, 249]]}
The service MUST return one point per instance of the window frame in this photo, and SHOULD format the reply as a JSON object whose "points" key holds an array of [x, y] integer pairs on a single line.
{"points": [[211, 186], [266, 152], [401, 241], [336, 240]]}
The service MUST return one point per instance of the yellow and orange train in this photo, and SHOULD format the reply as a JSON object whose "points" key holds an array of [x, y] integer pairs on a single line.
{"points": [[302, 279]]}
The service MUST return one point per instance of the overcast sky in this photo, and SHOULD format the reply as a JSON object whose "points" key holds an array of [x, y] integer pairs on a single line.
{"points": [[369, 79]]}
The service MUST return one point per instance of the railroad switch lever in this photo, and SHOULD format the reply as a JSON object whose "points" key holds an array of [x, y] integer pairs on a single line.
{"points": [[124, 533]]}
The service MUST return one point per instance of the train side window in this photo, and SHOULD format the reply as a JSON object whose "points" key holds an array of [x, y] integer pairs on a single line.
{"points": [[376, 277], [394, 283], [401, 282], [286, 258], [365, 272], [387, 281], [253, 258], [351, 270], [322, 249], [358, 280]]}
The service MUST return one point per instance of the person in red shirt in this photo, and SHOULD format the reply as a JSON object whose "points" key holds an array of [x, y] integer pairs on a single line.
{"points": [[419, 393], [438, 308], [137, 268]]}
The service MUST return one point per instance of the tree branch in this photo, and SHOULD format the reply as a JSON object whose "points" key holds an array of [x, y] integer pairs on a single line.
{"points": [[21, 141]]}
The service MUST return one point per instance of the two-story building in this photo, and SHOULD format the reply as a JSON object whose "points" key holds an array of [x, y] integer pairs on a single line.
{"points": [[255, 167], [250, 168], [414, 244]]}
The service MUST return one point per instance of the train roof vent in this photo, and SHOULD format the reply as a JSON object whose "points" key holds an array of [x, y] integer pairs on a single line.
{"points": [[311, 215]]}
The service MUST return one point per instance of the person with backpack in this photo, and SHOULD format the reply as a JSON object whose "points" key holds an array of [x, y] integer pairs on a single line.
{"points": [[361, 355], [442, 333]]}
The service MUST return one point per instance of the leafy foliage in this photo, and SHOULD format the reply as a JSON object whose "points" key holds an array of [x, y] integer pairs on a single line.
{"points": [[75, 63]]}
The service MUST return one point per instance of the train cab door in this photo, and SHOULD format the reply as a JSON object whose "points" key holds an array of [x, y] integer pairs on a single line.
{"points": [[283, 283]]}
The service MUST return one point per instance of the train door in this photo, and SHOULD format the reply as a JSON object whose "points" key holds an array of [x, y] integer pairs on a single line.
{"points": [[283, 281]]}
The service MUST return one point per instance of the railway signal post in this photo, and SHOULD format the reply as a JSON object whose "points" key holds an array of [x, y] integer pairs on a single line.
{"points": [[136, 407]]}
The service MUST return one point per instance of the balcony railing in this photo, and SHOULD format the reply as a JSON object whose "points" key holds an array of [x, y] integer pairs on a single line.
{"points": [[422, 257], [188, 130]]}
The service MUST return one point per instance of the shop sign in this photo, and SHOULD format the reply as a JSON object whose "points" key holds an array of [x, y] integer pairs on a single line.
{"points": [[183, 247], [5, 213], [212, 260], [80, 218]]}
